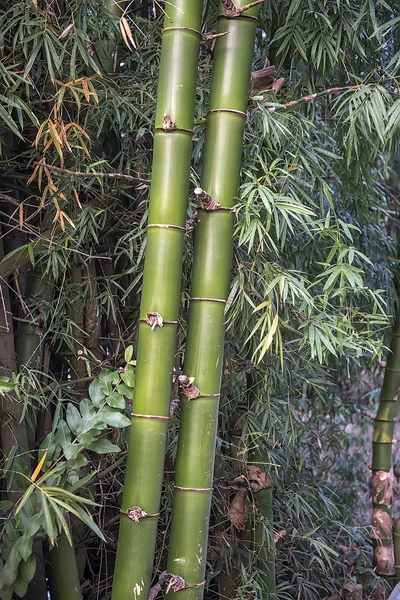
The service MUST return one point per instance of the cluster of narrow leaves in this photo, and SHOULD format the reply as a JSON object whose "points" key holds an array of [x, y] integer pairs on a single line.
{"points": [[64, 458]]}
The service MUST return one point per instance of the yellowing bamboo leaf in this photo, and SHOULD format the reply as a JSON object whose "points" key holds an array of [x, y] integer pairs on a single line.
{"points": [[127, 34], [40, 175], [39, 467], [40, 133], [63, 216], [269, 338], [79, 128], [85, 148], [54, 133], [21, 215], [77, 198], [85, 89], [66, 31], [32, 177], [93, 91]]}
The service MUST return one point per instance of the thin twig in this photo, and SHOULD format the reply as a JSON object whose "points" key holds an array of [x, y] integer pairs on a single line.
{"points": [[79, 174]]}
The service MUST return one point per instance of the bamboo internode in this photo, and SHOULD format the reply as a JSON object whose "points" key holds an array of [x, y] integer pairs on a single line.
{"points": [[160, 297], [210, 288]]}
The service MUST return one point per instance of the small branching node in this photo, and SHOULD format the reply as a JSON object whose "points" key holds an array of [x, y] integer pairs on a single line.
{"points": [[154, 319], [174, 583], [167, 124], [231, 11], [210, 37], [188, 388], [135, 513], [206, 201], [370, 415]]}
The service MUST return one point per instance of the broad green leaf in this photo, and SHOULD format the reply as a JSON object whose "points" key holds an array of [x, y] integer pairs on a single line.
{"points": [[103, 446], [96, 393]]}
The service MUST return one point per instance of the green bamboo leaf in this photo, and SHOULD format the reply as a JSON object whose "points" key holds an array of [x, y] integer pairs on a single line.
{"points": [[48, 523]]}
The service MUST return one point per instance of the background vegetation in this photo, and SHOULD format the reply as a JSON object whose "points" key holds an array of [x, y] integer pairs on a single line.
{"points": [[309, 313]]}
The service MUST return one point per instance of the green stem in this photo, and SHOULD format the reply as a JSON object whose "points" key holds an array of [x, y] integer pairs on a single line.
{"points": [[63, 573], [211, 280], [160, 294], [382, 477], [396, 544]]}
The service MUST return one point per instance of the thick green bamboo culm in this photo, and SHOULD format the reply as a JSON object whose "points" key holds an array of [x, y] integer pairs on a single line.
{"points": [[160, 297], [396, 545], [63, 573], [265, 555], [382, 477], [210, 288]]}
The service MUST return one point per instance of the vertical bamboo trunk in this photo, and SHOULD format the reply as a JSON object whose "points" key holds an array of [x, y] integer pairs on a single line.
{"points": [[210, 287], [63, 573], [13, 432], [29, 351], [160, 298], [260, 483], [263, 540], [396, 544], [382, 476]]}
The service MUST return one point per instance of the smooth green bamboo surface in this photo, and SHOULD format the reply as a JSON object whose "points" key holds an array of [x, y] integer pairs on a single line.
{"points": [[382, 495], [396, 544], [263, 547], [210, 282], [63, 573], [161, 291]]}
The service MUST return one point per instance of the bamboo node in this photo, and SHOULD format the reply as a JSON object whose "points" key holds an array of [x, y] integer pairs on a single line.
{"points": [[188, 388], [192, 489], [210, 37], [165, 226], [368, 414], [231, 11], [206, 201], [182, 29], [174, 583], [218, 300], [167, 124], [156, 417], [228, 110], [154, 319], [135, 513]]}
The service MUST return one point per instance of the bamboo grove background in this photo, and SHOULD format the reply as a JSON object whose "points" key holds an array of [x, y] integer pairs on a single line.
{"points": [[309, 311]]}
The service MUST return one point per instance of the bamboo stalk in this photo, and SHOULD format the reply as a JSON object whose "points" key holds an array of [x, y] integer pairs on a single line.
{"points": [[210, 287], [63, 575], [160, 298], [396, 545], [382, 476]]}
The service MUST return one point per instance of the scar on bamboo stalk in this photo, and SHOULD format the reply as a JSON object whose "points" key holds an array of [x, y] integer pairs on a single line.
{"points": [[206, 201], [231, 11], [135, 513], [188, 388], [167, 124]]}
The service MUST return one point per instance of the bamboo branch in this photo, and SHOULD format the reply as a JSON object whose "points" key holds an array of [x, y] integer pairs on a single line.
{"points": [[310, 97], [94, 174]]}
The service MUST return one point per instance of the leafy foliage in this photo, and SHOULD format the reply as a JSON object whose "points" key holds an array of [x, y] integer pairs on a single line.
{"points": [[313, 283]]}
